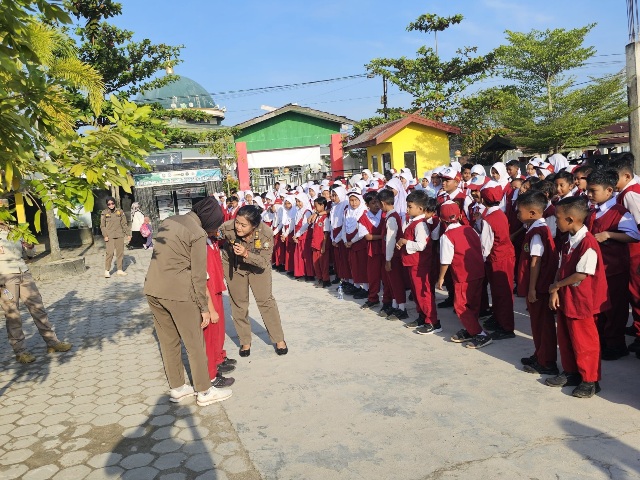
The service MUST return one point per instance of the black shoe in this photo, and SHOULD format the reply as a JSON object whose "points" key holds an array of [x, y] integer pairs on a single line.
{"points": [[326, 284], [310, 278], [614, 353], [461, 336], [335, 281], [361, 294], [634, 347], [564, 379], [413, 324], [245, 353], [282, 351], [447, 303], [225, 368], [479, 341], [428, 329], [385, 310], [484, 314], [541, 370], [631, 331], [229, 361], [411, 299], [368, 304], [491, 324], [349, 288], [397, 314], [501, 334], [586, 390], [222, 382], [529, 360]]}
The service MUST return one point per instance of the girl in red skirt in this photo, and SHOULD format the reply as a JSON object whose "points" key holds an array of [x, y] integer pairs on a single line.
{"points": [[353, 236], [302, 260]]}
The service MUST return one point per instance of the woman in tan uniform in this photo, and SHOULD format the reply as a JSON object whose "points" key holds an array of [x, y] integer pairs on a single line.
{"points": [[246, 260], [113, 225]]}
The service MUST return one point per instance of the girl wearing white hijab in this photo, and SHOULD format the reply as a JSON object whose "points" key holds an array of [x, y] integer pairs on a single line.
{"points": [[501, 177], [336, 217], [288, 224], [405, 178], [313, 192], [248, 197], [353, 235], [400, 194], [558, 161], [302, 260], [278, 246], [258, 202], [367, 176]]}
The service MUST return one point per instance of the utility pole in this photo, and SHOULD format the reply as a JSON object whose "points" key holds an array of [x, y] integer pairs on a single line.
{"points": [[633, 86], [383, 100]]}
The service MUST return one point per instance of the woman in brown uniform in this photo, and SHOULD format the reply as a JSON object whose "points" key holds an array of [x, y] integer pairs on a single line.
{"points": [[246, 260]]}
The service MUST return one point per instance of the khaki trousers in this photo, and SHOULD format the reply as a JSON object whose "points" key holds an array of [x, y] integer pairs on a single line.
{"points": [[260, 285], [24, 289], [175, 320], [118, 245]]}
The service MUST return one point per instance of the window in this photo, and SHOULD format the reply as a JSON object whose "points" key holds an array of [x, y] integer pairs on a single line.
{"points": [[410, 162], [374, 163], [386, 161]]}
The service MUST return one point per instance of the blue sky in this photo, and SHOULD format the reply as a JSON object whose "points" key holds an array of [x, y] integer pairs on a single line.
{"points": [[240, 44]]}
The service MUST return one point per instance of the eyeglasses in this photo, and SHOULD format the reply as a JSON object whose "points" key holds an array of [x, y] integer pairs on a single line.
{"points": [[111, 203]]}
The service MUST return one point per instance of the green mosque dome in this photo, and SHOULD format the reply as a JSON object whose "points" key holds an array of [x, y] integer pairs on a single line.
{"points": [[181, 93]]}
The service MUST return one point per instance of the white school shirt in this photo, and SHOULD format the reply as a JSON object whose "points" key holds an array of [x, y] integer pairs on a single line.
{"points": [[392, 230], [626, 225], [305, 224], [447, 250], [536, 247], [486, 234], [551, 223], [422, 235], [589, 259], [435, 232], [631, 201]]}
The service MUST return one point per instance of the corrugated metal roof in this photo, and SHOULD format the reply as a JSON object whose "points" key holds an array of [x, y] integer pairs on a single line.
{"points": [[298, 109]]}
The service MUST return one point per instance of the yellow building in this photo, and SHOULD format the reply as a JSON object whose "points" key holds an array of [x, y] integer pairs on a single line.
{"points": [[412, 142]]}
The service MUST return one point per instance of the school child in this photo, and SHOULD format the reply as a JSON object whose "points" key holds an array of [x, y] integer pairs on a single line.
{"points": [[461, 253], [278, 256], [451, 189], [499, 174], [548, 188], [580, 175], [478, 171], [400, 196], [613, 227], [536, 271], [372, 220], [416, 250], [146, 230], [532, 164], [235, 206], [395, 297], [564, 184], [499, 255], [302, 260], [577, 295], [286, 233], [475, 209], [629, 197], [465, 173], [545, 171], [353, 235], [340, 256], [513, 170], [320, 242]]}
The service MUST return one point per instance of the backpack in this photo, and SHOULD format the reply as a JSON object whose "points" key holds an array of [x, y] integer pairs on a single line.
{"points": [[145, 230]]}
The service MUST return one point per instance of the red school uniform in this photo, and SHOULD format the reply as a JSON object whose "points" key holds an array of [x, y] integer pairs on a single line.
{"points": [[375, 254], [319, 238], [499, 265], [538, 241], [461, 249], [579, 306], [340, 254], [625, 198], [302, 260], [615, 257], [418, 264], [214, 333], [458, 197], [357, 254], [393, 281]]}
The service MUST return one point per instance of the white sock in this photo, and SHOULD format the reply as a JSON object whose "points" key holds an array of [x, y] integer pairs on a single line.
{"points": [[401, 306], [483, 333], [394, 304], [350, 281], [365, 286]]}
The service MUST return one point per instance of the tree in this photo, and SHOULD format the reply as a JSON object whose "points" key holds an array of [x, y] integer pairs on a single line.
{"points": [[547, 109], [126, 66], [220, 143], [436, 85]]}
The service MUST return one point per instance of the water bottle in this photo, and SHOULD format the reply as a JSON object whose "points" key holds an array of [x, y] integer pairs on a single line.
{"points": [[6, 293], [340, 292]]}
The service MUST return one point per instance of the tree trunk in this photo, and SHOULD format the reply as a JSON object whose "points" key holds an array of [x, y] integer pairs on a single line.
{"points": [[549, 96], [54, 245]]}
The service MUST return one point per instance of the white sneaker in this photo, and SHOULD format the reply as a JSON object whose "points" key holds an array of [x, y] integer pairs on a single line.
{"points": [[107, 274], [179, 393], [213, 395], [121, 273]]}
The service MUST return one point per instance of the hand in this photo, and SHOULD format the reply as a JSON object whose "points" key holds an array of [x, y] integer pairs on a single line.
{"points": [[554, 301], [440, 283], [239, 250], [334, 244], [400, 243], [214, 317], [348, 244], [532, 297], [295, 239], [128, 238], [322, 250], [387, 266], [106, 238], [206, 318], [553, 288], [283, 238], [602, 236]]}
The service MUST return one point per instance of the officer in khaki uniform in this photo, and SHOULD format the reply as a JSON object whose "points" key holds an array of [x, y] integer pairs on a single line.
{"points": [[113, 225], [246, 260]]}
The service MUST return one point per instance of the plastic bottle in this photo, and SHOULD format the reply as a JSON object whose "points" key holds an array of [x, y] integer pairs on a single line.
{"points": [[340, 292]]}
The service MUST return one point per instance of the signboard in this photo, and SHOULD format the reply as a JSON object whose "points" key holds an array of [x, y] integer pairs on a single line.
{"points": [[174, 177], [167, 158]]}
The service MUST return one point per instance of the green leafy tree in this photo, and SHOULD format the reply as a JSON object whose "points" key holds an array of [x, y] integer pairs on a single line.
{"points": [[436, 85], [220, 144], [547, 109]]}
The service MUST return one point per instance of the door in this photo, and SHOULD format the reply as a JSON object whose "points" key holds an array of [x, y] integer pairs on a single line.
{"points": [[410, 162]]}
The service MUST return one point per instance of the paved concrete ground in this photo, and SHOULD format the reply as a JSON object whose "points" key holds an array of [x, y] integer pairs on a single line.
{"points": [[357, 397]]}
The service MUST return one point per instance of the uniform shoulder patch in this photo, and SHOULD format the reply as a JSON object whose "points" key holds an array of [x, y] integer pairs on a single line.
{"points": [[526, 248]]}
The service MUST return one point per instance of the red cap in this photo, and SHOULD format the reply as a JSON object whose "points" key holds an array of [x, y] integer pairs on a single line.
{"points": [[492, 192], [450, 174], [449, 211], [278, 201], [475, 183]]}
